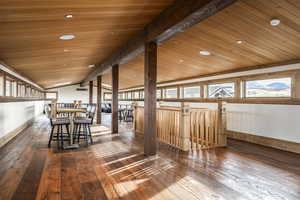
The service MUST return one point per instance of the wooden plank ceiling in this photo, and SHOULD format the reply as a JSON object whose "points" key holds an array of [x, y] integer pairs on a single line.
{"points": [[246, 20], [30, 31]]}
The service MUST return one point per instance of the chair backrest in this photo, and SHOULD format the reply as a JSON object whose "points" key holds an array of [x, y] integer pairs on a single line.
{"points": [[92, 112]]}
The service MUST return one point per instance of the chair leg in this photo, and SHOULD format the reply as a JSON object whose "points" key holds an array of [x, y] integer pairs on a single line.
{"points": [[78, 132], [68, 132], [61, 136], [86, 134], [51, 136], [90, 134], [74, 132]]}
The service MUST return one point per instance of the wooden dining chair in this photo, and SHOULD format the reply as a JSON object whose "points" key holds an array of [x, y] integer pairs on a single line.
{"points": [[60, 136], [82, 126]]}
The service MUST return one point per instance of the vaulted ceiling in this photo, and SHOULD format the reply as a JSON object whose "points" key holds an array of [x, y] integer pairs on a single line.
{"points": [[247, 21], [30, 31]]}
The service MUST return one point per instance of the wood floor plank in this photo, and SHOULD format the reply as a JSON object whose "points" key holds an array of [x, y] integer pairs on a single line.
{"points": [[115, 168], [28, 187]]}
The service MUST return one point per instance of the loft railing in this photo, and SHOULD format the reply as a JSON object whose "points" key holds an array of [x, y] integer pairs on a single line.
{"points": [[186, 128]]}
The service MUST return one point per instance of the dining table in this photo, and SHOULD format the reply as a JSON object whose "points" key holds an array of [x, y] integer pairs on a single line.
{"points": [[71, 114]]}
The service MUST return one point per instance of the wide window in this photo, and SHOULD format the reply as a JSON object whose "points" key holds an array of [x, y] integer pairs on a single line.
{"points": [[171, 93], [191, 92], [224, 90], [52, 95], [1, 84], [279, 87], [136, 95], [158, 94]]}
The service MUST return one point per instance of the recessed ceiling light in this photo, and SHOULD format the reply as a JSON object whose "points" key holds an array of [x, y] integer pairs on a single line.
{"points": [[91, 66], [181, 61], [68, 16], [67, 37], [205, 53], [275, 22], [239, 41], [66, 50]]}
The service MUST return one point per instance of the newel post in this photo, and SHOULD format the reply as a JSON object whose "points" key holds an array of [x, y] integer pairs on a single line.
{"points": [[185, 121], [222, 123], [134, 105]]}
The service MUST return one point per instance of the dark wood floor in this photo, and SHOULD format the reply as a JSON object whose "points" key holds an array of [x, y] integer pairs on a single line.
{"points": [[115, 168]]}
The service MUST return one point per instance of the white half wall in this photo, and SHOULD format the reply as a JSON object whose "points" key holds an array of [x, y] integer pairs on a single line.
{"points": [[267, 120], [15, 114], [274, 121]]}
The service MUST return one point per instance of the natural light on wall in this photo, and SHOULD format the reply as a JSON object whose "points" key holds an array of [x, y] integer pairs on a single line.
{"points": [[280, 87]]}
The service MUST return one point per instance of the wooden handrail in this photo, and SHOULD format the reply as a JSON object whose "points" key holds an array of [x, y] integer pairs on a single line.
{"points": [[186, 128]]}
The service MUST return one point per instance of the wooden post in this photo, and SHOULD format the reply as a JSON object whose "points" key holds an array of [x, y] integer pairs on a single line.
{"points": [[150, 142], [185, 121], [90, 92], [99, 98], [4, 84], [115, 88], [222, 123], [237, 89]]}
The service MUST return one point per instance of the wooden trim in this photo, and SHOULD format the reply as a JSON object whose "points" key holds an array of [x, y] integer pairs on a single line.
{"points": [[18, 99], [11, 135], [265, 141]]}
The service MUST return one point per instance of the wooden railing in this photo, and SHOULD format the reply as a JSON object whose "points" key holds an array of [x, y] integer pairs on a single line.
{"points": [[186, 128]]}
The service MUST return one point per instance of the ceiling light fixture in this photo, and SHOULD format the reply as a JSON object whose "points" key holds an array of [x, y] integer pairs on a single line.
{"points": [[205, 53], [239, 41], [275, 22], [66, 50], [68, 16], [67, 37], [91, 66], [181, 61]]}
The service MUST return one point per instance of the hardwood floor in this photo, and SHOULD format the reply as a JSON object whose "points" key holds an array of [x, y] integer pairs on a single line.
{"points": [[115, 168]]}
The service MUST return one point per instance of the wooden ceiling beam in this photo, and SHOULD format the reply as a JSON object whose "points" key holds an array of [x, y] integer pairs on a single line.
{"points": [[178, 17]]}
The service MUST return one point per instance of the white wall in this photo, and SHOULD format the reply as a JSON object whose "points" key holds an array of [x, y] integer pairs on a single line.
{"points": [[15, 114], [69, 93], [274, 121]]}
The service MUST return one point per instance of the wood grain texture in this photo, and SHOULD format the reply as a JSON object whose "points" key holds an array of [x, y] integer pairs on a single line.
{"points": [[30, 31], [179, 16], [247, 20], [115, 100], [115, 168], [99, 99], [150, 142], [266, 141]]}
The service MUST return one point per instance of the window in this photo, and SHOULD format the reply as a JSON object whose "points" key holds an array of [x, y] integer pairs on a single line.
{"points": [[279, 87], [158, 94], [51, 95], [136, 95], [8, 87], [224, 90], [1, 83], [191, 92], [171, 93], [129, 95]]}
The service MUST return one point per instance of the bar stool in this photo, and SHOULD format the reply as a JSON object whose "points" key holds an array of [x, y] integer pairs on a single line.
{"points": [[60, 136], [82, 127]]}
